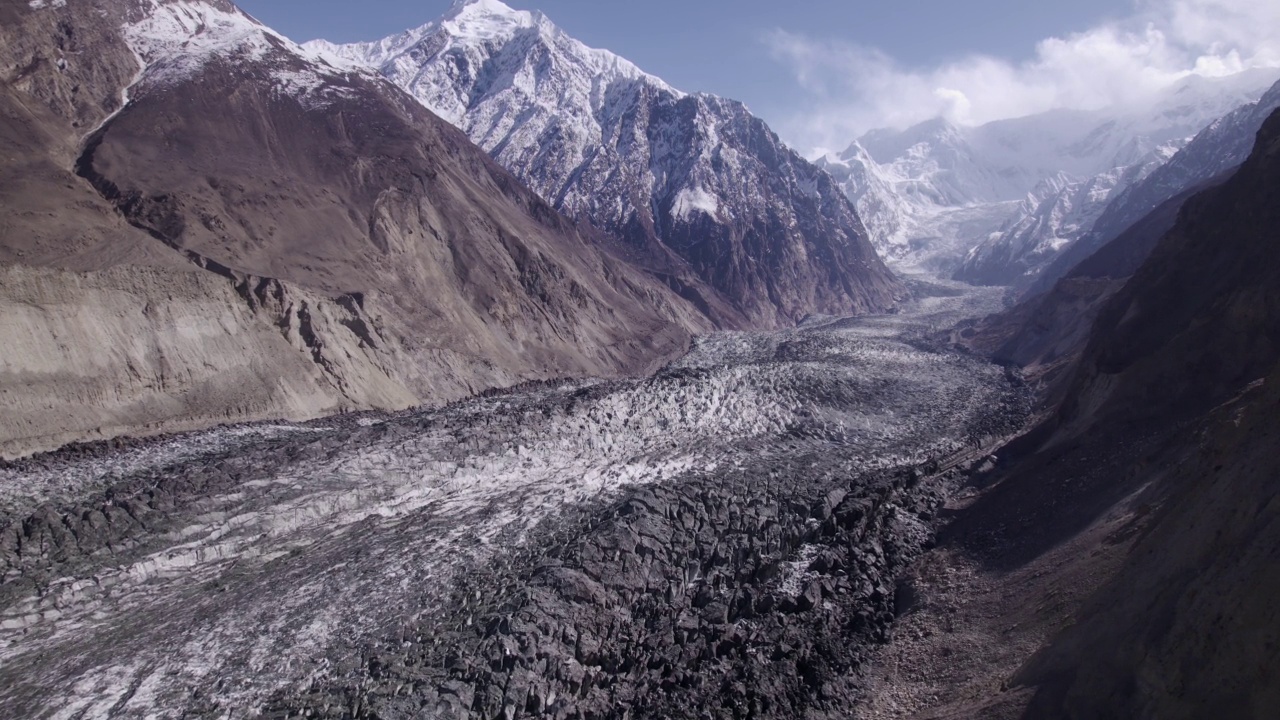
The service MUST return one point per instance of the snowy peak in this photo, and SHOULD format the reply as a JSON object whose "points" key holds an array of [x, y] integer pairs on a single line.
{"points": [[932, 193], [697, 186], [886, 145], [174, 39], [488, 19], [482, 20], [525, 53], [493, 23]]}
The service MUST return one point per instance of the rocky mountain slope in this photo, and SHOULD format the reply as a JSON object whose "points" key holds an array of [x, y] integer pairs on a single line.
{"points": [[1118, 564], [217, 225], [1198, 321], [1046, 335], [952, 189], [693, 185], [1195, 328], [1046, 332]]}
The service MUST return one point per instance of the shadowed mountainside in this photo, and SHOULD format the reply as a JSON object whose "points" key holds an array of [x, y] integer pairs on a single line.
{"points": [[1121, 559]]}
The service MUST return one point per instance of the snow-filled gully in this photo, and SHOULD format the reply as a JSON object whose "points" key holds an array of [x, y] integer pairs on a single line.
{"points": [[213, 572]]}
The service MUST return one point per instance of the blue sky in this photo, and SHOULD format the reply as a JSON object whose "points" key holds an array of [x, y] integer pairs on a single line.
{"points": [[823, 71], [700, 39], [720, 46]]}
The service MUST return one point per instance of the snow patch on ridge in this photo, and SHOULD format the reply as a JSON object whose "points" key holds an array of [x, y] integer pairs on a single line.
{"points": [[174, 40], [692, 200]]}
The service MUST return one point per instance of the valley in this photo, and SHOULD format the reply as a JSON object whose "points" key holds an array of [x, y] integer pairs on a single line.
{"points": [[220, 571], [477, 372]]}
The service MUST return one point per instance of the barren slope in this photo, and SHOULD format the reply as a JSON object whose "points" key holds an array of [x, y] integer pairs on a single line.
{"points": [[359, 252]]}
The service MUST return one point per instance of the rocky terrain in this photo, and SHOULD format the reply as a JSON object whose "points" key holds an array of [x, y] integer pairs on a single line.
{"points": [[724, 534], [696, 188], [647, 461]]}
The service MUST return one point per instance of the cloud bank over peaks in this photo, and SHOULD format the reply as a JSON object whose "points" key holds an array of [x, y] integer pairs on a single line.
{"points": [[853, 88]]}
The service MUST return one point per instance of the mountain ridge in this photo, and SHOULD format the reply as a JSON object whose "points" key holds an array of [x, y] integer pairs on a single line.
{"points": [[941, 191], [1215, 150], [399, 266], [692, 182]]}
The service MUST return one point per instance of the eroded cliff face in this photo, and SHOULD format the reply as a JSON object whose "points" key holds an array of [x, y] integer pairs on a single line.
{"points": [[172, 161], [128, 349]]}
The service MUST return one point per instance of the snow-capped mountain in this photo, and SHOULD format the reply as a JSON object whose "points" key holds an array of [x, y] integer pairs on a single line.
{"points": [[174, 40], [880, 208], [936, 191], [924, 193], [205, 222], [1213, 152], [705, 191], [1055, 214]]}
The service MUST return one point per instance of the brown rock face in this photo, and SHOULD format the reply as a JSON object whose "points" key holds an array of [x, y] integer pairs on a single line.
{"points": [[60, 75], [391, 258]]}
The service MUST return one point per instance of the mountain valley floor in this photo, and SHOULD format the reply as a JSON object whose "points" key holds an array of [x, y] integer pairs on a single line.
{"points": [[730, 527]]}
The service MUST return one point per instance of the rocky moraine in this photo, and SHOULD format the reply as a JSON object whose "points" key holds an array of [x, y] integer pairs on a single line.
{"points": [[722, 535]]}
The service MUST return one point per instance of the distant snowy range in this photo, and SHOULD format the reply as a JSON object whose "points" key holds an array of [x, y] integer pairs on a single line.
{"points": [[597, 137], [997, 203]]}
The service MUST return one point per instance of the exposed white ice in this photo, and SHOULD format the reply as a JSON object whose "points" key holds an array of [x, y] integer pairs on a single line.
{"points": [[692, 200]]}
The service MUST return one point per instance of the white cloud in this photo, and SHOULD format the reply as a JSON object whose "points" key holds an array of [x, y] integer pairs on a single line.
{"points": [[852, 88]]}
